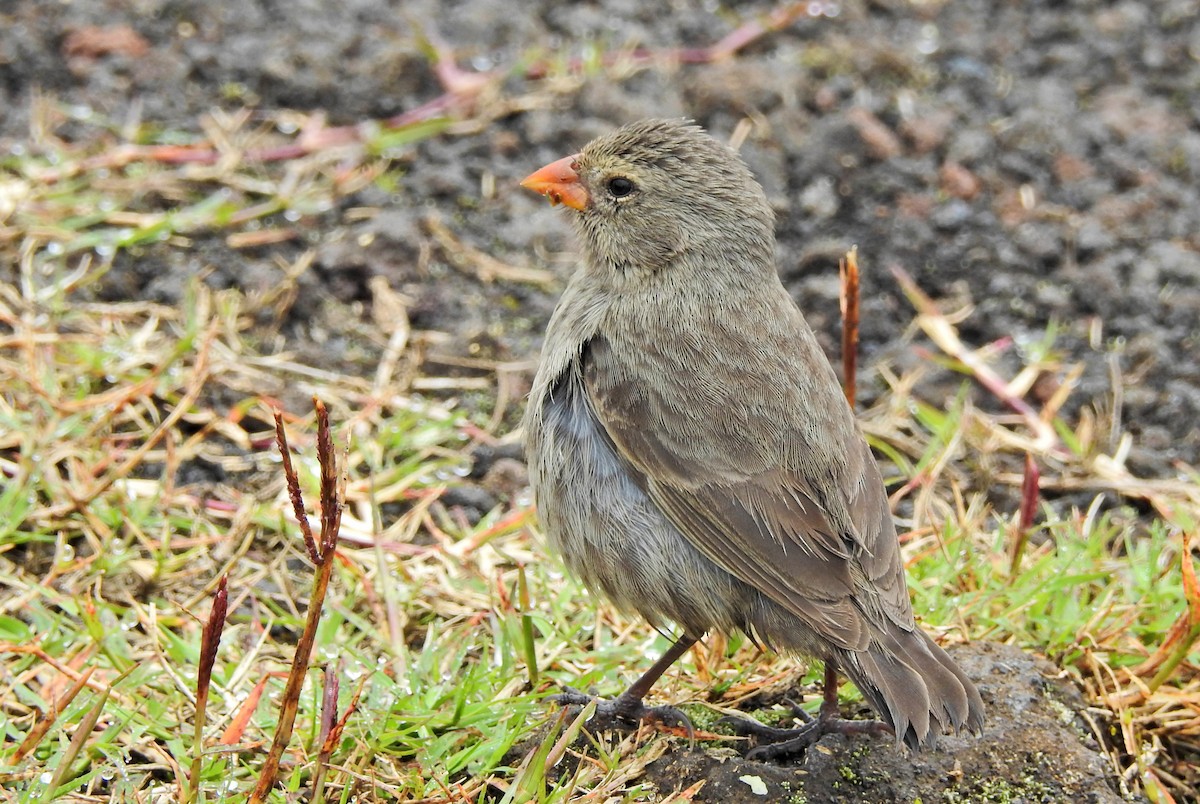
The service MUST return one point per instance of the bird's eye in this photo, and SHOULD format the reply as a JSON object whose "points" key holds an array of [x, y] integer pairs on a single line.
{"points": [[619, 187]]}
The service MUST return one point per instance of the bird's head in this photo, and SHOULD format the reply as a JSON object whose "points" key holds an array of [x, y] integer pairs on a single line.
{"points": [[655, 191]]}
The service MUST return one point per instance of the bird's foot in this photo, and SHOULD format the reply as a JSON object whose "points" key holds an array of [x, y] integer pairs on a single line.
{"points": [[774, 744], [624, 713]]}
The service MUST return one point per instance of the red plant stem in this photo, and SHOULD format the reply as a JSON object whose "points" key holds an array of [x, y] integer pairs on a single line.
{"points": [[850, 318], [210, 641], [1029, 503]]}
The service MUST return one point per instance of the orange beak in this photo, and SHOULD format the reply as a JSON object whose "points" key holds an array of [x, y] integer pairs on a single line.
{"points": [[559, 182]]}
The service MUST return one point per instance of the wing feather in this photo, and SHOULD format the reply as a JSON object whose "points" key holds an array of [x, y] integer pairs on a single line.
{"points": [[764, 524]]}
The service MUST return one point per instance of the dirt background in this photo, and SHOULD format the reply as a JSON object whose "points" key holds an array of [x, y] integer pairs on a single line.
{"points": [[1040, 164]]}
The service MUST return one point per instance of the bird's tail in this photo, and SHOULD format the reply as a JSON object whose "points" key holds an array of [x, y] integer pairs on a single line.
{"points": [[914, 686]]}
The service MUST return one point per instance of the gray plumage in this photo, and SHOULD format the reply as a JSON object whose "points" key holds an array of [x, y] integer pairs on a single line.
{"points": [[690, 450]]}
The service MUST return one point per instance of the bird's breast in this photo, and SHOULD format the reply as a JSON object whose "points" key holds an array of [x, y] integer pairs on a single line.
{"points": [[597, 517]]}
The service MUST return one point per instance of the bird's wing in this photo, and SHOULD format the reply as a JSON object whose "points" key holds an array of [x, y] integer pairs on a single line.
{"points": [[767, 525]]}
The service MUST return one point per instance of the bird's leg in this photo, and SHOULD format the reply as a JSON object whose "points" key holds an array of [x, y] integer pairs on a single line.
{"points": [[773, 743], [627, 709]]}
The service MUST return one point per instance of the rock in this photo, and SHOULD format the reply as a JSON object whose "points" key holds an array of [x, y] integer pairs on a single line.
{"points": [[1034, 748]]}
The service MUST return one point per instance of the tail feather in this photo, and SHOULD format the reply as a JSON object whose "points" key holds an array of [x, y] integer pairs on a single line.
{"points": [[914, 686], [897, 693], [972, 717]]}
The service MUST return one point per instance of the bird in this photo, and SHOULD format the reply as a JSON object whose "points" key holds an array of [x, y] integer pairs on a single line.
{"points": [[692, 456]]}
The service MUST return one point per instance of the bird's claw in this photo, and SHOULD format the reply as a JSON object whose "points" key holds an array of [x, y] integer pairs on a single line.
{"points": [[624, 713], [774, 743], [572, 697]]}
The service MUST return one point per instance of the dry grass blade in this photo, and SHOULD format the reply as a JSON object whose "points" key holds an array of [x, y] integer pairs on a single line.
{"points": [[687, 794], [942, 333], [236, 729], [314, 140], [99, 486], [74, 748], [482, 265], [1184, 633], [43, 724], [82, 732]]}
